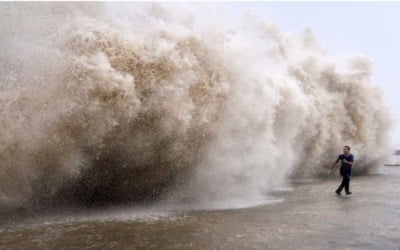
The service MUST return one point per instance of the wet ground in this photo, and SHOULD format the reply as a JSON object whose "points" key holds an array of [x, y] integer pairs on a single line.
{"points": [[311, 216]]}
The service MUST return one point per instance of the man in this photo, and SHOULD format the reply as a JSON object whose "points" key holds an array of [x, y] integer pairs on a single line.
{"points": [[345, 170]]}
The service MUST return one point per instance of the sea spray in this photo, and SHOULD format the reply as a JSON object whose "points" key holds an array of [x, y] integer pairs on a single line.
{"points": [[143, 101]]}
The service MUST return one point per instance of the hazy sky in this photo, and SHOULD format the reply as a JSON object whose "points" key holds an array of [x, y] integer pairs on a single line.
{"points": [[344, 28]]}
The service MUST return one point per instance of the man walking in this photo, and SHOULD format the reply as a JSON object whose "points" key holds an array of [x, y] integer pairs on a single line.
{"points": [[345, 170]]}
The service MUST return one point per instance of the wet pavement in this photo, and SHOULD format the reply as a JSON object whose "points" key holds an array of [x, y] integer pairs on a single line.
{"points": [[310, 216]]}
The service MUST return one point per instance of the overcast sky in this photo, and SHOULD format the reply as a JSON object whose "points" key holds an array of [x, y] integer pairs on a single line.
{"points": [[343, 28]]}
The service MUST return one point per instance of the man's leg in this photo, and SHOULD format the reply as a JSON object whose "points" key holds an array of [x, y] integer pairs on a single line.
{"points": [[347, 184], [342, 185]]}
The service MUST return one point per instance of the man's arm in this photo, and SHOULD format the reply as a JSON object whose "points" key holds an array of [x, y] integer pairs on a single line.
{"points": [[334, 164], [348, 162]]}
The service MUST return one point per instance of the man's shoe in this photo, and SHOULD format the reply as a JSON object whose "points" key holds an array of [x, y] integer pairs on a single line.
{"points": [[337, 192], [347, 193]]}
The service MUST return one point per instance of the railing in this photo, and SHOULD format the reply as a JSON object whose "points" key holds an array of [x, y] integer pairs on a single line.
{"points": [[394, 159]]}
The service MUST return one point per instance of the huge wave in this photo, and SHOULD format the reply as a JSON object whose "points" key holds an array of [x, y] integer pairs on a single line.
{"points": [[144, 101]]}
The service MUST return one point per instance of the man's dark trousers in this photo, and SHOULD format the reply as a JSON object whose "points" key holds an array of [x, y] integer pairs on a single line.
{"points": [[345, 184]]}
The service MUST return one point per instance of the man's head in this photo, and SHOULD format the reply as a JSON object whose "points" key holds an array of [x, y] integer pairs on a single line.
{"points": [[346, 149]]}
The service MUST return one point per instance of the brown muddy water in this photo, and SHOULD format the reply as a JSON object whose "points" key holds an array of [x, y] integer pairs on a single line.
{"points": [[309, 216]]}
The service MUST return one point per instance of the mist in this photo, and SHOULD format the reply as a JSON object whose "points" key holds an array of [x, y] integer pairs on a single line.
{"points": [[108, 103]]}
